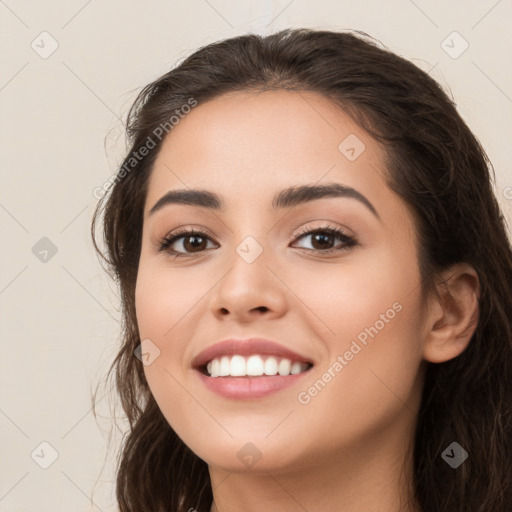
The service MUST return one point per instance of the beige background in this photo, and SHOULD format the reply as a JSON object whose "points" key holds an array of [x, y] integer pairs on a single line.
{"points": [[62, 136]]}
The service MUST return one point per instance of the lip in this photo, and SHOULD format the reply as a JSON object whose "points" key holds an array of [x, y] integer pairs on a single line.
{"points": [[248, 387], [247, 347], [245, 388]]}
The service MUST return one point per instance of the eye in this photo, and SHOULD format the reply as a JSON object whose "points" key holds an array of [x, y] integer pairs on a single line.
{"points": [[191, 242], [323, 238]]}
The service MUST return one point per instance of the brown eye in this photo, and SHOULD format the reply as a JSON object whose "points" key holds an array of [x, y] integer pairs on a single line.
{"points": [[194, 243], [187, 242], [324, 239]]}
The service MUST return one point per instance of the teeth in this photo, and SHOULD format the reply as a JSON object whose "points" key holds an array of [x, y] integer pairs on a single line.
{"points": [[236, 367], [296, 368], [215, 367], [253, 366], [224, 366], [271, 366], [284, 367]]}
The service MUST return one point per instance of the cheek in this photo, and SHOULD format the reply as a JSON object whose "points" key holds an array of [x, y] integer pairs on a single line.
{"points": [[161, 316], [350, 296], [161, 306], [163, 300], [370, 375], [374, 349]]}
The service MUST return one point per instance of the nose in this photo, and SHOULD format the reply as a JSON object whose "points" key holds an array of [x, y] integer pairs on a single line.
{"points": [[248, 291]]}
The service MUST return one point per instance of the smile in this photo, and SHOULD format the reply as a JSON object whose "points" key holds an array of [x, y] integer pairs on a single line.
{"points": [[250, 368]]}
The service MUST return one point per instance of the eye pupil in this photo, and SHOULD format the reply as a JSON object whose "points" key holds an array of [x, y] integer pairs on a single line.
{"points": [[198, 242], [324, 237]]}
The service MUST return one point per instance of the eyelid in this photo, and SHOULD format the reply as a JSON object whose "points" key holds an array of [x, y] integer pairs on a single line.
{"points": [[187, 228], [306, 230]]}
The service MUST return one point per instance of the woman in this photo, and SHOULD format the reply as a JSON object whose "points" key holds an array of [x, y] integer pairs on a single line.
{"points": [[316, 284]]}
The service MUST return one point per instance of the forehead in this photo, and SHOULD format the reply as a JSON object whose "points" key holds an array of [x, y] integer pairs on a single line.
{"points": [[248, 145]]}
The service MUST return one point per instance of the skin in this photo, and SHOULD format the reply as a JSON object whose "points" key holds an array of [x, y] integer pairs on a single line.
{"points": [[347, 449]]}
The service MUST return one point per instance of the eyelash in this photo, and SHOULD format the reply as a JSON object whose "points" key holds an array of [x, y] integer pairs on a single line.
{"points": [[348, 241]]}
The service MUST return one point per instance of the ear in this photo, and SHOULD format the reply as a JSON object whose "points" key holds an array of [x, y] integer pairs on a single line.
{"points": [[453, 313]]}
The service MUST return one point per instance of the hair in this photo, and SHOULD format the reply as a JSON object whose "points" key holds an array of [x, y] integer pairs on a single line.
{"points": [[433, 162]]}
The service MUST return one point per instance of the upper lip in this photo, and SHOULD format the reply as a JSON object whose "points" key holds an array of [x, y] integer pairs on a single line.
{"points": [[246, 347]]}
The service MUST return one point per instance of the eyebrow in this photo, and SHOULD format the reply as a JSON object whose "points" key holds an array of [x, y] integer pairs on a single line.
{"points": [[287, 198]]}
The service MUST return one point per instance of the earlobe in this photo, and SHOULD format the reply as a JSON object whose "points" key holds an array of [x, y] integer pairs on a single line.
{"points": [[453, 316]]}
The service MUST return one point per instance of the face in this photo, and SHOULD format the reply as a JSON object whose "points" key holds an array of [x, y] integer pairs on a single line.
{"points": [[326, 279]]}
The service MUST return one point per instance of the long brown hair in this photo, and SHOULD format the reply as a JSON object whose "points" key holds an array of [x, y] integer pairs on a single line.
{"points": [[434, 163]]}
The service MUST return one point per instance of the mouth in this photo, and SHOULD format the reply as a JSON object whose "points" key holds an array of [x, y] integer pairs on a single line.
{"points": [[254, 368]]}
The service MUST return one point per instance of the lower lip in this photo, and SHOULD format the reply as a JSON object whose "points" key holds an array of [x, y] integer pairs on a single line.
{"points": [[249, 387]]}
